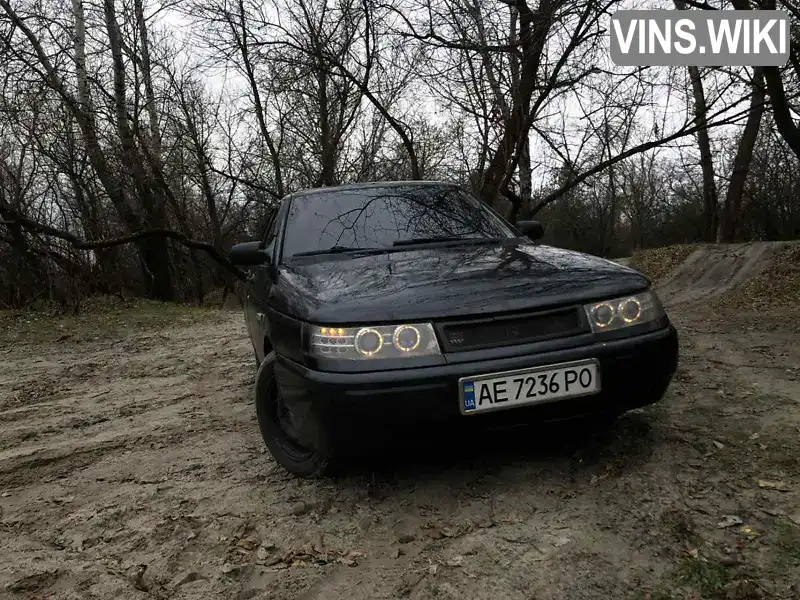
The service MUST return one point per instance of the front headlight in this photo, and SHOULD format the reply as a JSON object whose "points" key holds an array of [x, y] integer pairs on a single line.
{"points": [[380, 341], [624, 312]]}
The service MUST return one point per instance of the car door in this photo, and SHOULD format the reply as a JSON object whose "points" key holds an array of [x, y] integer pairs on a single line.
{"points": [[257, 297]]}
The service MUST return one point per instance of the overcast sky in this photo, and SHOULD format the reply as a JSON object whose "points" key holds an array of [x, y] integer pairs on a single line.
{"points": [[667, 110]]}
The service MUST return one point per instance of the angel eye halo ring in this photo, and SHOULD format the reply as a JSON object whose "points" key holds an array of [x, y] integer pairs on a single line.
{"points": [[368, 341], [406, 338], [604, 314], [630, 310]]}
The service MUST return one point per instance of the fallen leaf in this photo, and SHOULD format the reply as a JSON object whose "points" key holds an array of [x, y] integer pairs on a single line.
{"points": [[773, 485], [729, 521], [448, 532], [351, 558], [456, 561], [719, 445], [560, 541], [248, 543]]}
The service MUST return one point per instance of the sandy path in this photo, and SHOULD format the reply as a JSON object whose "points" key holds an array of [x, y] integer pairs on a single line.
{"points": [[145, 451]]}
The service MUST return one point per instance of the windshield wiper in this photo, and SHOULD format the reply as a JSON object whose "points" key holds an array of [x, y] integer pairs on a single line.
{"points": [[338, 250], [452, 238]]}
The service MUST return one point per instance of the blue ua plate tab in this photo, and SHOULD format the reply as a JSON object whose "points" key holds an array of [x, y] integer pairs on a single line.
{"points": [[469, 395]]}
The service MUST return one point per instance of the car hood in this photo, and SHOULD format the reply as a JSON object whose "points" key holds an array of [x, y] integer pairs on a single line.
{"points": [[445, 281]]}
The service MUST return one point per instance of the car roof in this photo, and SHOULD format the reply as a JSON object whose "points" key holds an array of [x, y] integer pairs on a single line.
{"points": [[370, 185]]}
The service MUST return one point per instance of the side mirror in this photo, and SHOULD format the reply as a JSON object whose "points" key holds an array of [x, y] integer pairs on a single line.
{"points": [[249, 254], [533, 229]]}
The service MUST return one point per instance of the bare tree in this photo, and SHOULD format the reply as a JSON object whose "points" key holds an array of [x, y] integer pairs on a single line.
{"points": [[130, 163], [731, 209]]}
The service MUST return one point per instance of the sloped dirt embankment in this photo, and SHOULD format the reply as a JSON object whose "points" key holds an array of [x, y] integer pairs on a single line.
{"points": [[715, 270]]}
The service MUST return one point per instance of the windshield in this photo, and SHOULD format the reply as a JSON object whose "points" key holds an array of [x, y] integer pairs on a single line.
{"points": [[382, 217]]}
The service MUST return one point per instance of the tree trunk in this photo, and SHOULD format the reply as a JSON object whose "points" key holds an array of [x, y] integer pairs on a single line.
{"points": [[79, 42], [222, 276], [609, 228], [147, 76], [525, 171], [704, 144], [533, 30], [154, 251], [525, 180], [327, 145], [741, 162], [706, 159]]}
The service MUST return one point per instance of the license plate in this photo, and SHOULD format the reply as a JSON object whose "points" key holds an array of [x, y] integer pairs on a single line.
{"points": [[496, 391]]}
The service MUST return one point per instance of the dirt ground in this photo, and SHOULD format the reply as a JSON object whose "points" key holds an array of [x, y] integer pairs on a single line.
{"points": [[131, 467]]}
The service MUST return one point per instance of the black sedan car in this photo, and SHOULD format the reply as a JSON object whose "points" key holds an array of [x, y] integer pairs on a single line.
{"points": [[384, 305]]}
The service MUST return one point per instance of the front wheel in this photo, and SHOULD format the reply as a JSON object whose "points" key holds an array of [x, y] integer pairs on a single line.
{"points": [[294, 435]]}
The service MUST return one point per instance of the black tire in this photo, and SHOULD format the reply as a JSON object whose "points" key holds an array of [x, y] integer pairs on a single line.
{"points": [[312, 459]]}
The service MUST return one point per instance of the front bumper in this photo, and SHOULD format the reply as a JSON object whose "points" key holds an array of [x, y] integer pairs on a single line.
{"points": [[635, 371]]}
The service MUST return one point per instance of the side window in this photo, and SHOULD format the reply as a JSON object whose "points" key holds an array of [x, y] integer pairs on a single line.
{"points": [[271, 233]]}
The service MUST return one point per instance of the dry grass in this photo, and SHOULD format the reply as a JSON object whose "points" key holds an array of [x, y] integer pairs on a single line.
{"points": [[657, 263], [98, 317]]}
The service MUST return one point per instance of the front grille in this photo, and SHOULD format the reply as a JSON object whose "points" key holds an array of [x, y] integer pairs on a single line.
{"points": [[512, 330]]}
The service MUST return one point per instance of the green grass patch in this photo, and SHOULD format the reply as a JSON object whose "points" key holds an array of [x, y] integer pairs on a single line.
{"points": [[98, 318], [698, 578], [706, 577], [657, 263], [787, 547]]}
